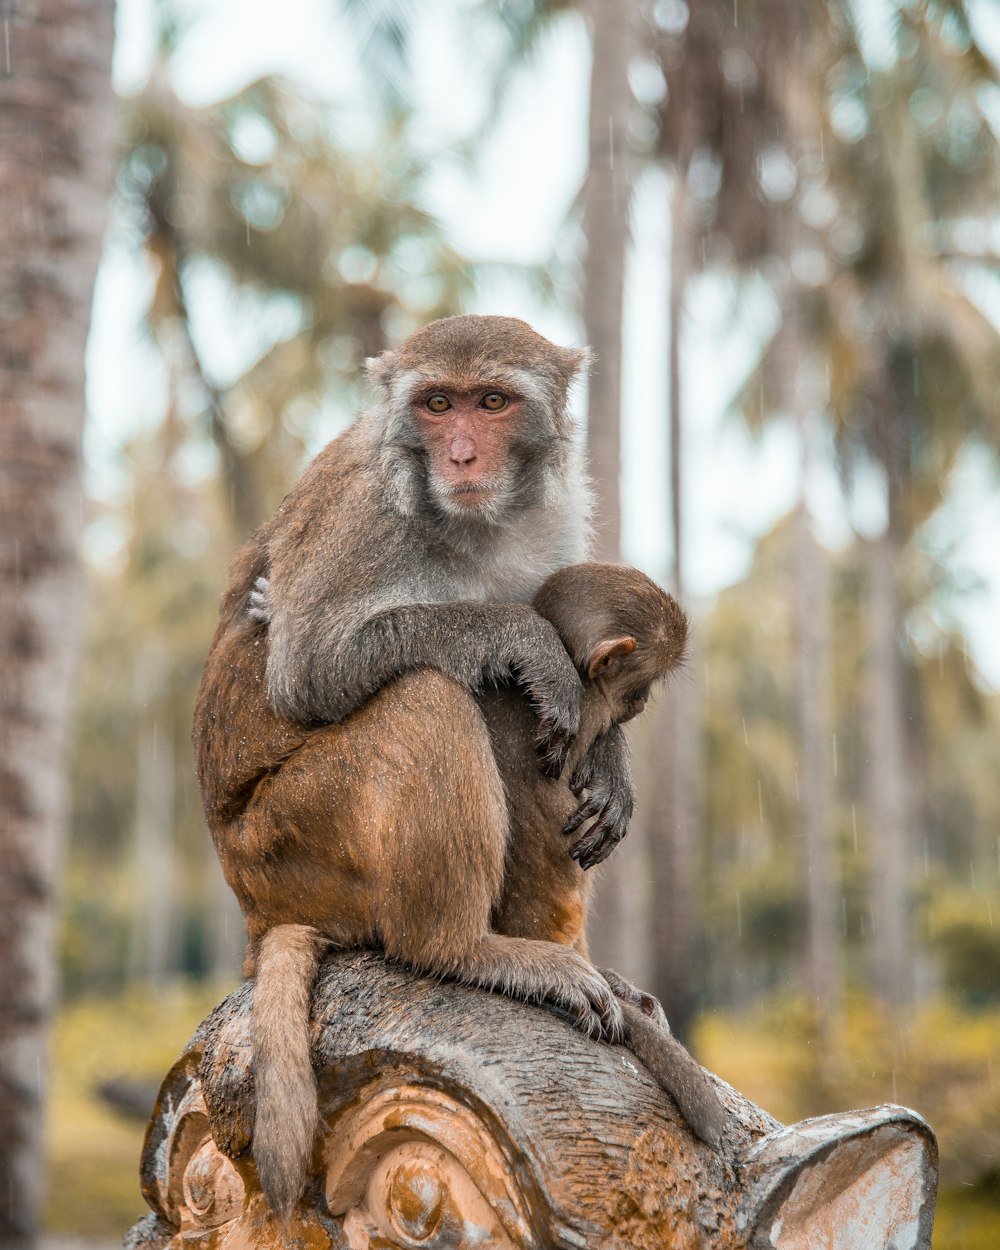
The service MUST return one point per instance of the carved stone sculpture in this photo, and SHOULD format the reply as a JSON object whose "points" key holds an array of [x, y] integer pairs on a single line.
{"points": [[454, 1118]]}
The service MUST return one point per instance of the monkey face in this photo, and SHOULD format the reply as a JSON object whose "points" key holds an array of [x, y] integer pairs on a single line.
{"points": [[467, 436]]}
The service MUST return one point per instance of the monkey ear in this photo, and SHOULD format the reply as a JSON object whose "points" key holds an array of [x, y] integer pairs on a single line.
{"points": [[380, 369], [606, 656], [576, 361]]}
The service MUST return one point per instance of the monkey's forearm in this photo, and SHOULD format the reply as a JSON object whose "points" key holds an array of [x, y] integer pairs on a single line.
{"points": [[606, 773], [476, 644]]}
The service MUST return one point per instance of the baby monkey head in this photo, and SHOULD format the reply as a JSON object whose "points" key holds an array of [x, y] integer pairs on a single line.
{"points": [[476, 406], [624, 633]]}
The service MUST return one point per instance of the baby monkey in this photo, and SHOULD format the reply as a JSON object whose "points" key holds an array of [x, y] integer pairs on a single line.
{"points": [[422, 826]]}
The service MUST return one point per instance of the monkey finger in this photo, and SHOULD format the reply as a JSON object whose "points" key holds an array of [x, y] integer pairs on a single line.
{"points": [[553, 744], [612, 1021], [592, 807], [258, 601], [598, 843], [583, 778]]}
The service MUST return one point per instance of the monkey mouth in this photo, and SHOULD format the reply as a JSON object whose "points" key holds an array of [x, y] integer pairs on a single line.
{"points": [[469, 492]]}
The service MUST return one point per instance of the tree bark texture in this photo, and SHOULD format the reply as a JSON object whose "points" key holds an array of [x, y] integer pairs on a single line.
{"points": [[56, 151]]}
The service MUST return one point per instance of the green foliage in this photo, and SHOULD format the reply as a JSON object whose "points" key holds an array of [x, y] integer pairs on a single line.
{"points": [[964, 928]]}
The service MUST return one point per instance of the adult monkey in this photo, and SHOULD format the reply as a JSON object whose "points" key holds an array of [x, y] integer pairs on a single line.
{"points": [[415, 541], [418, 538]]}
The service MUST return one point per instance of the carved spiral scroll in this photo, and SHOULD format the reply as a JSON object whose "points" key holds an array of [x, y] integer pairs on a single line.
{"points": [[413, 1167]]}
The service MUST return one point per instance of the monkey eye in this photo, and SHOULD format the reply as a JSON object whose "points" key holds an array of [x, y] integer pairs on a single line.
{"points": [[438, 403], [493, 401]]}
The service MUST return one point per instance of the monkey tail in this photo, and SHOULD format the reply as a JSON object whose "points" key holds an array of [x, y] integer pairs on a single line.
{"points": [[678, 1072], [287, 1106]]}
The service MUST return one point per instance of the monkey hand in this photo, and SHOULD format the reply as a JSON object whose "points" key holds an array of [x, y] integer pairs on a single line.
{"points": [[605, 774], [259, 601], [554, 688]]}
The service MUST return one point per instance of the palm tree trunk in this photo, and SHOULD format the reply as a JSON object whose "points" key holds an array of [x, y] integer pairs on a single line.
{"points": [[606, 198], [887, 787], [891, 811], [675, 819], [616, 929], [821, 974], [56, 162]]}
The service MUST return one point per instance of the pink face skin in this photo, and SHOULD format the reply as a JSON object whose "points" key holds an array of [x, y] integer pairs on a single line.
{"points": [[467, 434]]}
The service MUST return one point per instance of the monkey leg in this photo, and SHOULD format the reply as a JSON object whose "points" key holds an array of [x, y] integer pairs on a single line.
{"points": [[442, 843]]}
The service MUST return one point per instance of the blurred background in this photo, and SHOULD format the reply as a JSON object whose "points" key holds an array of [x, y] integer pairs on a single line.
{"points": [[776, 222]]}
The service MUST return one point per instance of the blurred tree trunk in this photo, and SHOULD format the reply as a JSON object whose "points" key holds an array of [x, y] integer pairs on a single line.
{"points": [[889, 788], [889, 860], [675, 817], [153, 948], [617, 931], [56, 149], [812, 585], [606, 196]]}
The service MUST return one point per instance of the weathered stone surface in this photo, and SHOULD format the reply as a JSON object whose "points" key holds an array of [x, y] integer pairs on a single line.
{"points": [[451, 1117]]}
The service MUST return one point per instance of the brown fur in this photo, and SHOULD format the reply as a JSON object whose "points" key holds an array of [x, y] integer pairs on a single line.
{"points": [[421, 826]]}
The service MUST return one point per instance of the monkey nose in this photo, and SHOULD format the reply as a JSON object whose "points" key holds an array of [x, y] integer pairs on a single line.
{"points": [[463, 450]]}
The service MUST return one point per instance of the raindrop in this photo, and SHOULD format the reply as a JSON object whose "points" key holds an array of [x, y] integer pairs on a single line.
{"points": [[746, 743], [972, 875], [989, 912], [6, 43], [611, 142], [854, 825], [836, 765], [739, 915], [927, 866], [843, 914], [760, 801], [895, 1097], [798, 796]]}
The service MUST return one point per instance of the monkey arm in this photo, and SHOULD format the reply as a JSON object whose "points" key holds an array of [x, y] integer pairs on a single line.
{"points": [[605, 772], [326, 675]]}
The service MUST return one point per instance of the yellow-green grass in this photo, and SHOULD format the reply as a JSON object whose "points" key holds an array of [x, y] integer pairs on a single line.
{"points": [[92, 1150]]}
